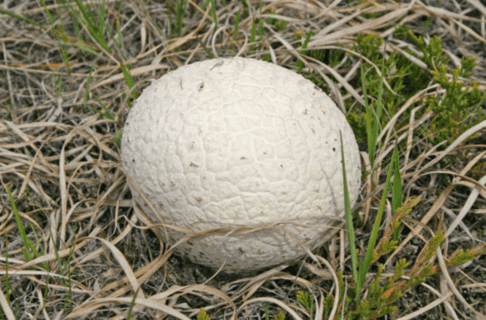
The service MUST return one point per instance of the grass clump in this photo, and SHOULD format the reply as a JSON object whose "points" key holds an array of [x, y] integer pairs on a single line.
{"points": [[459, 108], [405, 79]]}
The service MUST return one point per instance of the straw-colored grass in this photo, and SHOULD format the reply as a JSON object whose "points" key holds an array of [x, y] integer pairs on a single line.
{"points": [[71, 246]]}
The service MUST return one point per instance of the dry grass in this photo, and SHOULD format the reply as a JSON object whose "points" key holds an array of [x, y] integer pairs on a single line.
{"points": [[60, 160]]}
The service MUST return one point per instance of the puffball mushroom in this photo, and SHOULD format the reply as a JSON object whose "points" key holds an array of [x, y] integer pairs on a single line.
{"points": [[235, 142]]}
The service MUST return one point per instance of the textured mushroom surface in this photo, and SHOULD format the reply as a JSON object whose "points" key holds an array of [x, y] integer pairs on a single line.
{"points": [[240, 142]]}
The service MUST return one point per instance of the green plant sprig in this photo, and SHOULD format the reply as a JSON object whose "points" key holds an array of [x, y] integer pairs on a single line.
{"points": [[29, 246], [385, 245], [452, 109]]}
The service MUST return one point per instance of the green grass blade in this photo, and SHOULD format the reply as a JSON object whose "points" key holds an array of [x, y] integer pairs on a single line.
{"points": [[369, 128], [44, 265], [85, 48], [60, 26], [109, 115], [77, 22], [171, 21], [120, 40], [396, 190], [213, 11], [63, 269], [117, 137], [132, 304], [23, 235], [349, 223], [376, 227], [128, 79], [205, 48], [373, 116], [127, 75], [77, 43], [101, 27], [237, 22], [87, 18], [253, 36], [300, 63], [58, 258], [379, 105], [57, 82], [55, 30], [16, 16], [29, 246], [102, 13], [49, 16], [260, 24], [180, 9], [91, 16], [46, 291], [77, 25]]}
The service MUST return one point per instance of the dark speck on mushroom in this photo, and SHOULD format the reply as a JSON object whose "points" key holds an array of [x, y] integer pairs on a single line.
{"points": [[217, 65], [201, 86]]}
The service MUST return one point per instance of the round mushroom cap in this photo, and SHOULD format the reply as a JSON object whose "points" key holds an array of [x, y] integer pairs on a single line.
{"points": [[242, 145]]}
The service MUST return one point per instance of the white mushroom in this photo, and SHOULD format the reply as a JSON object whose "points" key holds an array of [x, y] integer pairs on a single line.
{"points": [[238, 142]]}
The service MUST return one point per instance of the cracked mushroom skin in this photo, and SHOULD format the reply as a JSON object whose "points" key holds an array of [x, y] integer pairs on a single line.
{"points": [[236, 142]]}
